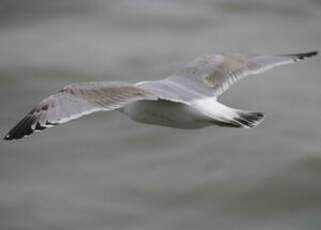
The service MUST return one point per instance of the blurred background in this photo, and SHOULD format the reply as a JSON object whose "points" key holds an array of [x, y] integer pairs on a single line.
{"points": [[104, 171]]}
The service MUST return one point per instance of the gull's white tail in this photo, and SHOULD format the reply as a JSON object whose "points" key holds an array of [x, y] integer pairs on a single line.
{"points": [[225, 116], [248, 119]]}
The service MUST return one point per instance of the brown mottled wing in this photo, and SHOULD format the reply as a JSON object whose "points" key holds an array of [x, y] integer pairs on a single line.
{"points": [[76, 100], [219, 71]]}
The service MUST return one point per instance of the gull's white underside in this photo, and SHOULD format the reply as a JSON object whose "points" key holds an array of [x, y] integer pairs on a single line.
{"points": [[166, 113], [199, 113]]}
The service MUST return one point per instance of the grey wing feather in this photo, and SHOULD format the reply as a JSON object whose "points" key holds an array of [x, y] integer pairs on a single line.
{"points": [[219, 71], [76, 100], [174, 91]]}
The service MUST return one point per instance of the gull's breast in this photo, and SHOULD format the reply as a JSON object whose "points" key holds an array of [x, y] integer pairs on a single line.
{"points": [[166, 113]]}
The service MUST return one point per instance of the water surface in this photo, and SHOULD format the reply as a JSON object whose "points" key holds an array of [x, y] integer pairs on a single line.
{"points": [[106, 172]]}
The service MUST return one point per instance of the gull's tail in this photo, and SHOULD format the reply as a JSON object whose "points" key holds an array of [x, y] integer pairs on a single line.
{"points": [[248, 119], [236, 118]]}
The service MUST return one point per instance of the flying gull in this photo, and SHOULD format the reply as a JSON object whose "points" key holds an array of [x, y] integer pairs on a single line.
{"points": [[186, 100]]}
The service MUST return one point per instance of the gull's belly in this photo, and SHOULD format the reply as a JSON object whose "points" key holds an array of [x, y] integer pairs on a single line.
{"points": [[166, 113]]}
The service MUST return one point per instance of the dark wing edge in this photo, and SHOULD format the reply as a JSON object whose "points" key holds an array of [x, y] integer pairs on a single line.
{"points": [[302, 56], [74, 101]]}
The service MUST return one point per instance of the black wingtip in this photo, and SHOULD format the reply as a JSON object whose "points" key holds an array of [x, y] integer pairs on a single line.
{"points": [[27, 126], [302, 56], [23, 128], [7, 138]]}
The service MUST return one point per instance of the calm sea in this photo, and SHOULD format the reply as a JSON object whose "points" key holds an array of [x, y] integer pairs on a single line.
{"points": [[105, 171]]}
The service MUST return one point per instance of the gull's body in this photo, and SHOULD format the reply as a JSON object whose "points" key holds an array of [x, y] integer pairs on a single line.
{"points": [[187, 99], [197, 112], [166, 113]]}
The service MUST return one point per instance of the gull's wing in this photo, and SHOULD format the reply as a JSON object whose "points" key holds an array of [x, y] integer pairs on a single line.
{"points": [[218, 72], [76, 100], [177, 92]]}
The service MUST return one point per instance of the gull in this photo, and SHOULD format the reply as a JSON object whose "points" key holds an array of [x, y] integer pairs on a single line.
{"points": [[188, 99]]}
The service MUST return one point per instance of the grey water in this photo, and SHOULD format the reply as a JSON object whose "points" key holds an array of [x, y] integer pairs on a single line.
{"points": [[105, 171]]}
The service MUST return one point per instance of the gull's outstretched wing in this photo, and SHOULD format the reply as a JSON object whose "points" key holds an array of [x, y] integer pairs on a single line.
{"points": [[220, 71], [76, 100]]}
